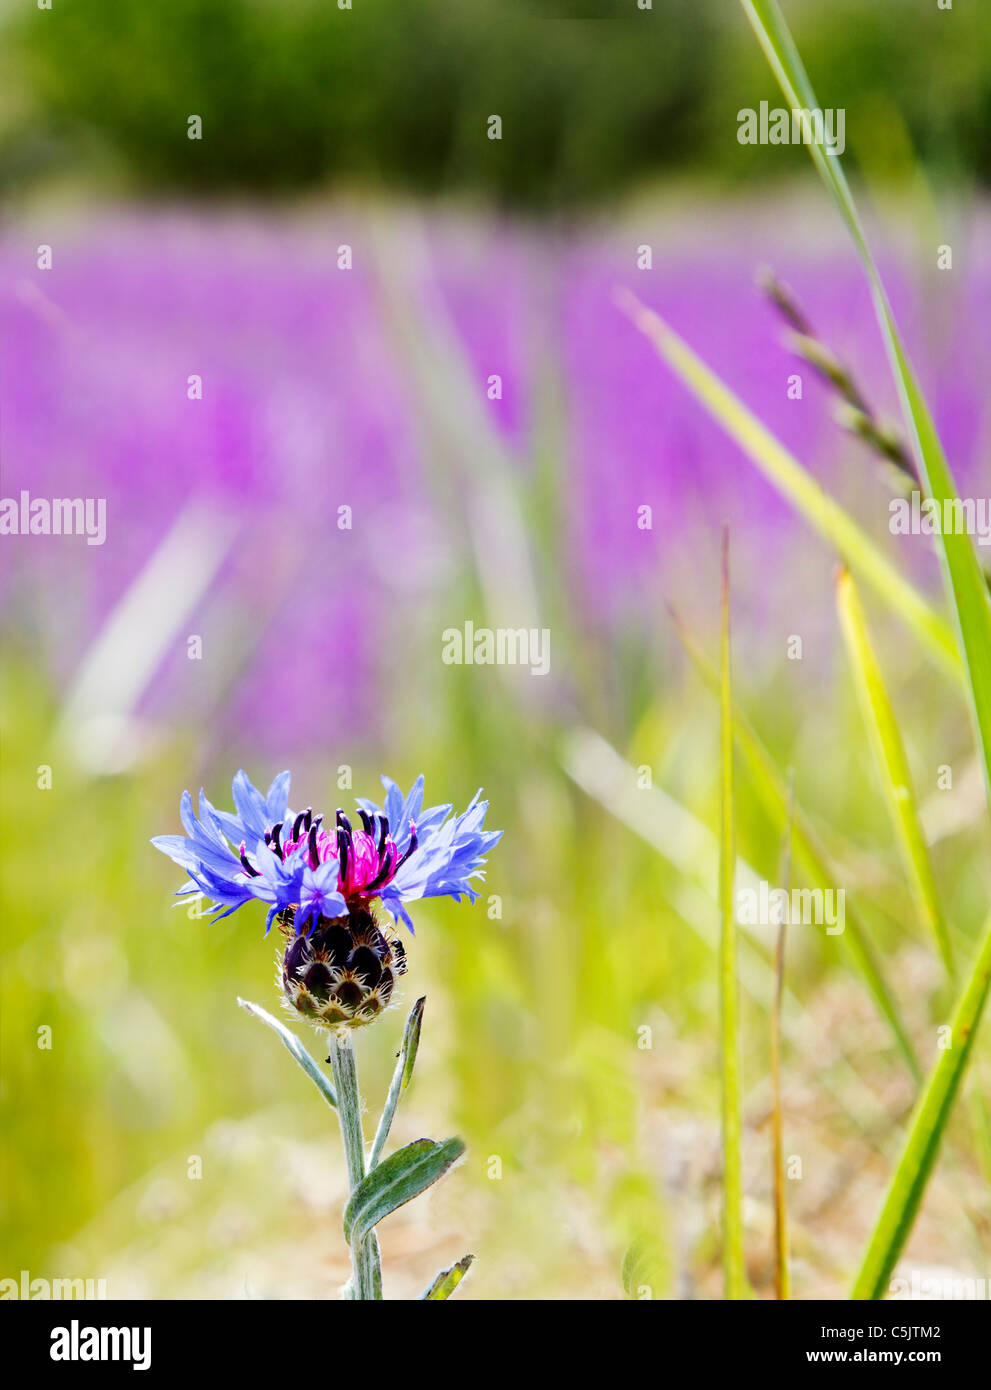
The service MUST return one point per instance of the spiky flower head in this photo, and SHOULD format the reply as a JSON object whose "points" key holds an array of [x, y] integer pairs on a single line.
{"points": [[321, 882]]}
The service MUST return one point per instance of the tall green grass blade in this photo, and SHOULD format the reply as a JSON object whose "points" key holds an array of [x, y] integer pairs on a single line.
{"points": [[599, 770], [667, 827], [903, 807], [889, 754], [734, 1268], [783, 471], [962, 575], [782, 1272], [908, 1183], [809, 853]]}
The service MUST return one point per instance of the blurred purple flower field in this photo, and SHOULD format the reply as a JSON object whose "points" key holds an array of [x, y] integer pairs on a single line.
{"points": [[311, 402]]}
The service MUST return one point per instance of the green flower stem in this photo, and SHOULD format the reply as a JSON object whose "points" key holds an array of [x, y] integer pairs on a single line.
{"points": [[366, 1269]]}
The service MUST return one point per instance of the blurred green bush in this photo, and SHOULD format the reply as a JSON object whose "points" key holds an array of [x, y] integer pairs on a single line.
{"points": [[594, 95]]}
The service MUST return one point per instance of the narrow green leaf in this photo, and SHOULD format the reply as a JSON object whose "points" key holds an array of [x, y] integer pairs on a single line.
{"points": [[448, 1279], [401, 1078], [783, 471], [908, 1183], [296, 1049], [809, 852], [734, 1268], [397, 1180], [892, 764], [962, 574]]}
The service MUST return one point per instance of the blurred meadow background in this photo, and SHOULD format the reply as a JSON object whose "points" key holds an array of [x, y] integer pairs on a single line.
{"points": [[571, 1029]]}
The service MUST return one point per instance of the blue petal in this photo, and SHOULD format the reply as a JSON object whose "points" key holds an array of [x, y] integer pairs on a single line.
{"points": [[393, 801], [394, 904], [277, 800], [250, 804]]}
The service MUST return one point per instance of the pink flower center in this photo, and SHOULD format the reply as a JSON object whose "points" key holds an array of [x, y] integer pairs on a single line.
{"points": [[368, 858]]}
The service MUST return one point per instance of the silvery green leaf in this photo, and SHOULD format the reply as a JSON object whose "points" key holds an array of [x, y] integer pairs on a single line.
{"points": [[411, 1041], [296, 1048], [400, 1079], [397, 1180], [448, 1279]]}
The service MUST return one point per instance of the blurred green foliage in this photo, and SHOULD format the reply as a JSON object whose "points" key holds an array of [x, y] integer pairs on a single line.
{"points": [[594, 95], [533, 1036]]}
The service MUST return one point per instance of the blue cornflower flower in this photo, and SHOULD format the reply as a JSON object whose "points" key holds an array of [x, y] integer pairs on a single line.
{"points": [[319, 883]]}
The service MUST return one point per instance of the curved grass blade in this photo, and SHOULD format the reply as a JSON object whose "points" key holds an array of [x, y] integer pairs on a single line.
{"points": [[296, 1050], [903, 806], [667, 827], [908, 1183], [772, 790], [397, 1180], [448, 1279], [962, 573], [401, 1078], [892, 764], [783, 471], [734, 1266]]}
